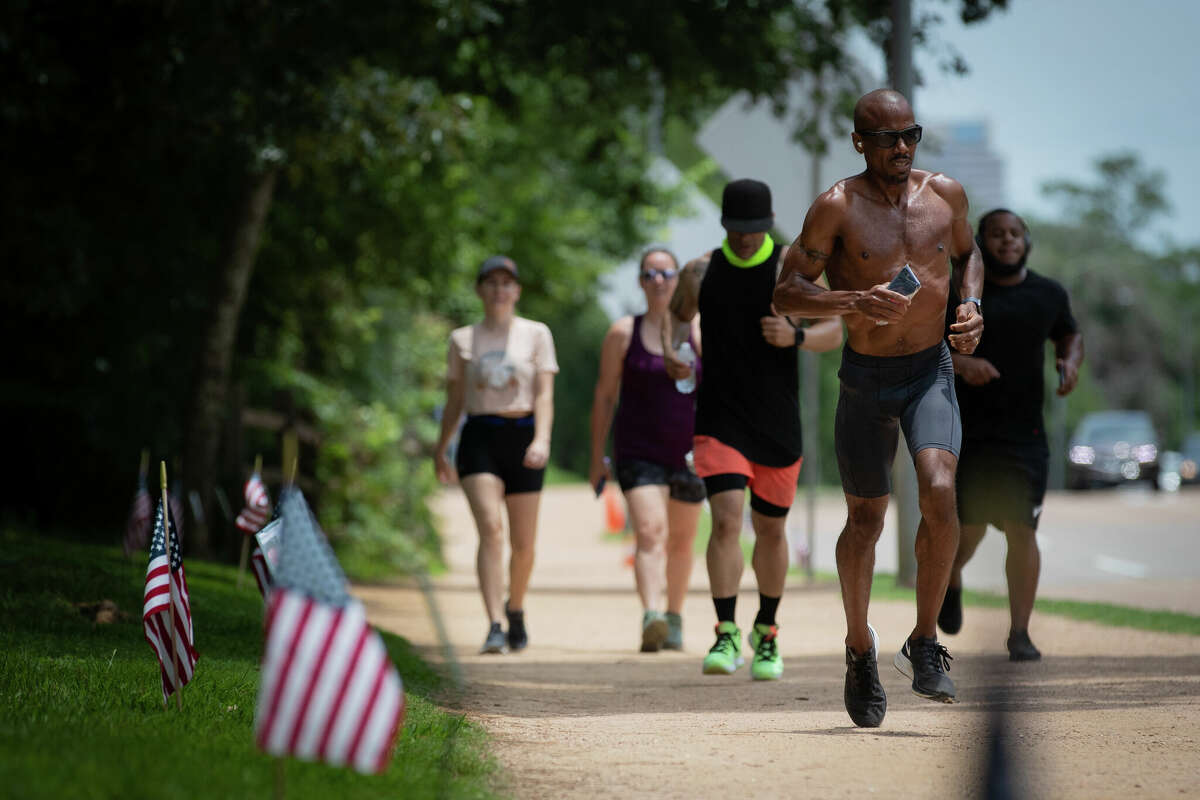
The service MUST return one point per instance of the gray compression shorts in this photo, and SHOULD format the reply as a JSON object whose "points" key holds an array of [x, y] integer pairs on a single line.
{"points": [[879, 396]]}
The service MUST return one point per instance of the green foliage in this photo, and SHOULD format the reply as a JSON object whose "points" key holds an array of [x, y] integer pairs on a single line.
{"points": [[1131, 303], [411, 139], [65, 679]]}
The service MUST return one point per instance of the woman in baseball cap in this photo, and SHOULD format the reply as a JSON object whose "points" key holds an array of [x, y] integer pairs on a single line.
{"points": [[500, 371]]}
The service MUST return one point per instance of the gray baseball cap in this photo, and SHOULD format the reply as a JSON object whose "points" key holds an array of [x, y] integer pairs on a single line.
{"points": [[493, 263]]}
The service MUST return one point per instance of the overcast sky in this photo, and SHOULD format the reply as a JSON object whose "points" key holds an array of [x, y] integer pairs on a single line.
{"points": [[1062, 82]]}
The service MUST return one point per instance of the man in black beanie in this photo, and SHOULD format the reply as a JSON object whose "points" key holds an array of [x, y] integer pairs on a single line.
{"points": [[747, 414]]}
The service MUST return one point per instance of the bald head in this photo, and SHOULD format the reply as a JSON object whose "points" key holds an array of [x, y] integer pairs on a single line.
{"points": [[873, 108]]}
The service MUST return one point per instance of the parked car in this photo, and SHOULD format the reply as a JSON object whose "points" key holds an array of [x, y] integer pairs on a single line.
{"points": [[1113, 447], [1189, 467]]}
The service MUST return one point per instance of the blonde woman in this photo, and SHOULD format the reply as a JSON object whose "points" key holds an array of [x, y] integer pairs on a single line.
{"points": [[651, 437], [501, 372]]}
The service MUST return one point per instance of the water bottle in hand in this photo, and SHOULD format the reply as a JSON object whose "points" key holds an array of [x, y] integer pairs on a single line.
{"points": [[688, 356]]}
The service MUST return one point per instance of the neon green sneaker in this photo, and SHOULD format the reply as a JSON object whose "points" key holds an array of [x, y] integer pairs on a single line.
{"points": [[767, 664], [726, 655]]}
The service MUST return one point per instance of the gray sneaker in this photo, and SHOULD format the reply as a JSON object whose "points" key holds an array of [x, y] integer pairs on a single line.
{"points": [[926, 661], [674, 632], [495, 641], [654, 631]]}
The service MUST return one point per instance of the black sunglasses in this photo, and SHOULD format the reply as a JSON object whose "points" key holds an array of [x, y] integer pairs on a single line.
{"points": [[888, 139], [651, 274]]}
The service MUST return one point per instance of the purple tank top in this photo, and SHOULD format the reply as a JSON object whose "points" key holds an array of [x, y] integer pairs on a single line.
{"points": [[654, 420]]}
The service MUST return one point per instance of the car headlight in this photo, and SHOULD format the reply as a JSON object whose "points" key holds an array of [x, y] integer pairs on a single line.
{"points": [[1082, 454], [1145, 453]]}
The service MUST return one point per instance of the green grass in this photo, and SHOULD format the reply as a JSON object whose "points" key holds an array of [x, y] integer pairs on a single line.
{"points": [[885, 588], [81, 714]]}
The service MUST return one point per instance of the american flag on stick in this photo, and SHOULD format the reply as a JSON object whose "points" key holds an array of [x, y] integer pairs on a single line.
{"points": [[257, 509], [166, 589], [255, 513], [258, 560], [137, 528], [328, 691]]}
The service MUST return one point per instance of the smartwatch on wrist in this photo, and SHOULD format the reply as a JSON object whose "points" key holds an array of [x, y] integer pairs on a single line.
{"points": [[978, 303], [799, 336]]}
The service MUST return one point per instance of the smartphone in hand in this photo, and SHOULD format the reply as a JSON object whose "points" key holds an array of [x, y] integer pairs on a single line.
{"points": [[599, 487], [906, 283]]}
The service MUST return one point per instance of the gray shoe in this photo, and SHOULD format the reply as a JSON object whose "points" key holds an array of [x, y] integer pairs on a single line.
{"points": [[674, 632], [495, 641], [926, 661], [654, 631]]}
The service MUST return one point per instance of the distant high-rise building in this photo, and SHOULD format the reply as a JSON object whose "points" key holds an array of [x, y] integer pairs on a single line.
{"points": [[961, 150]]}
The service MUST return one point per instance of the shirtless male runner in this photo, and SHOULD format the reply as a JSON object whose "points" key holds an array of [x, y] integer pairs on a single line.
{"points": [[896, 373], [747, 431]]}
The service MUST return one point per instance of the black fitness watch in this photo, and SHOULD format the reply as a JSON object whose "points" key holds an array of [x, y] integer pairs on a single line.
{"points": [[799, 336]]}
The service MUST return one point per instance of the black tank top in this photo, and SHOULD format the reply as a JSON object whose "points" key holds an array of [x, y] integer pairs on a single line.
{"points": [[750, 396]]}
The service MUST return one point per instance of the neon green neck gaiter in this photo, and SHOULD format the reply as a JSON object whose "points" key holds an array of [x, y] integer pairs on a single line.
{"points": [[759, 257]]}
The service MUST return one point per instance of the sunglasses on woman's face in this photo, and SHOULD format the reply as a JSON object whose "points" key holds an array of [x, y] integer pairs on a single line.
{"points": [[665, 274], [887, 139]]}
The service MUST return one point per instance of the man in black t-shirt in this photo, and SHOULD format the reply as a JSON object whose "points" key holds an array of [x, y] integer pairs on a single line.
{"points": [[1003, 465], [747, 432]]}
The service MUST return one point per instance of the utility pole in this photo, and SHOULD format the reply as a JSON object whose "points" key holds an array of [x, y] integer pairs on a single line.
{"points": [[904, 475], [1190, 272], [812, 395]]}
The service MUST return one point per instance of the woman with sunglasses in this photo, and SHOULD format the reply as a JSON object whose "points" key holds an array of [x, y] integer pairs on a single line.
{"points": [[652, 435], [501, 371]]}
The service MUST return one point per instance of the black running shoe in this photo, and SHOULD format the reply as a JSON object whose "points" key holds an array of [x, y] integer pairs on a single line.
{"points": [[494, 643], [1020, 647], [950, 617], [926, 661], [866, 702], [517, 636]]}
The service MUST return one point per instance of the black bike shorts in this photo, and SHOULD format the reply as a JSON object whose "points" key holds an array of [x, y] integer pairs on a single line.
{"points": [[682, 484], [999, 483], [879, 396], [496, 445]]}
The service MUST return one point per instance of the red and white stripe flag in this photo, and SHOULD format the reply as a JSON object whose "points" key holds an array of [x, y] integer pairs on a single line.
{"points": [[137, 527], [257, 509], [262, 573], [166, 587], [328, 690]]}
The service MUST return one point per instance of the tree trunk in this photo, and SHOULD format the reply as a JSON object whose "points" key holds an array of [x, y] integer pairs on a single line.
{"points": [[216, 354]]}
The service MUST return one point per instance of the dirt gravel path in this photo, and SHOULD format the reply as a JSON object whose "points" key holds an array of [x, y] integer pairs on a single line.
{"points": [[1109, 712]]}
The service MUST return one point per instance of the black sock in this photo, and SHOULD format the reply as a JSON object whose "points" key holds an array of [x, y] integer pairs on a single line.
{"points": [[766, 609], [725, 606]]}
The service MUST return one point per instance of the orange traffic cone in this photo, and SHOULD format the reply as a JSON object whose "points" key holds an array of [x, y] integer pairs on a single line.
{"points": [[614, 511]]}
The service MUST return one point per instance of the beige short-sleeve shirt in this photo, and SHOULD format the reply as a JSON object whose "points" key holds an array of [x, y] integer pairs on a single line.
{"points": [[500, 369]]}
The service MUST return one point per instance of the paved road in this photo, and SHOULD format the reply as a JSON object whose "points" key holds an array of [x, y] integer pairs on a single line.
{"points": [[1125, 546]]}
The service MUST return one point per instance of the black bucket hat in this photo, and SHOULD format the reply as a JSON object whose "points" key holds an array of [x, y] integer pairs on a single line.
{"points": [[746, 206], [493, 263]]}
